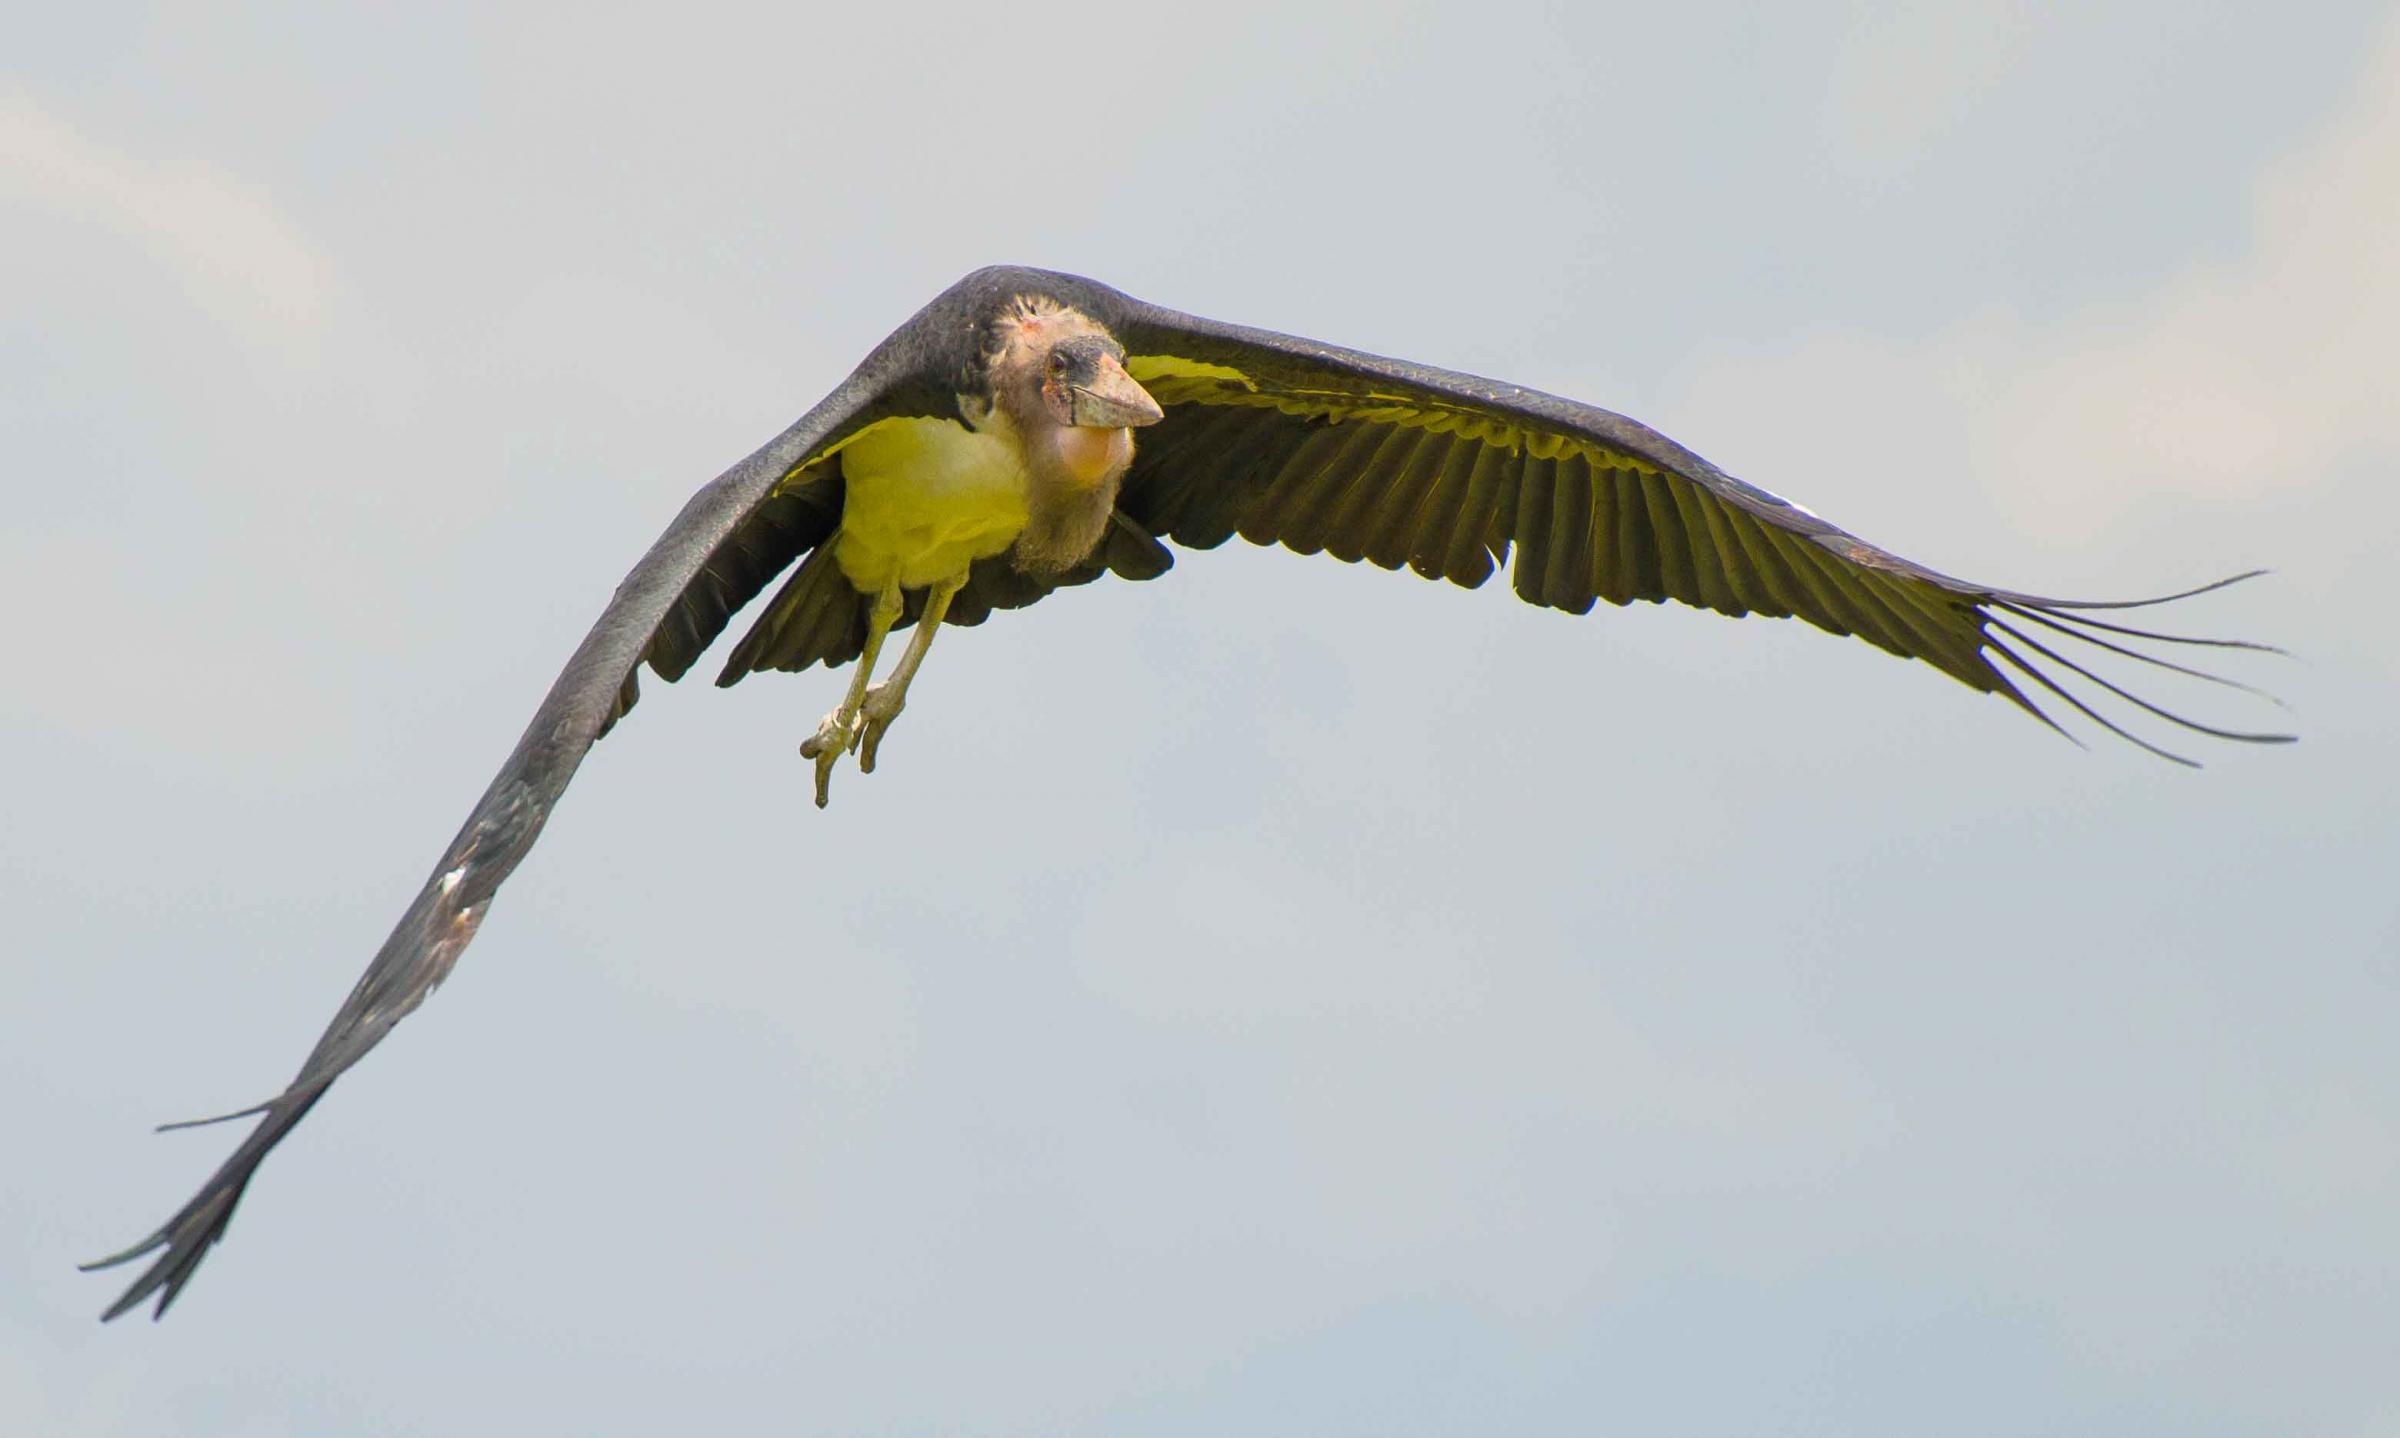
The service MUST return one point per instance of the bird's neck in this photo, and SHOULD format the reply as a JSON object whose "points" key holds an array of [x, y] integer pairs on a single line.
{"points": [[1072, 475]]}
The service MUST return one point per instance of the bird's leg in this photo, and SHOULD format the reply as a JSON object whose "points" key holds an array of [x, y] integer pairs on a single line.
{"points": [[837, 733], [885, 701]]}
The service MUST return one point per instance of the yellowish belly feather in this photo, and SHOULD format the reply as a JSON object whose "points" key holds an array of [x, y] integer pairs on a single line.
{"points": [[924, 499]]}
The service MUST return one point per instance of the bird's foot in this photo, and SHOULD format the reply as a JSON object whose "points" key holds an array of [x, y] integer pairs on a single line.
{"points": [[837, 734], [875, 714]]}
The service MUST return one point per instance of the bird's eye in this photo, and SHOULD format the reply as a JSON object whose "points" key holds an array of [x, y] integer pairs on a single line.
{"points": [[1058, 363]]}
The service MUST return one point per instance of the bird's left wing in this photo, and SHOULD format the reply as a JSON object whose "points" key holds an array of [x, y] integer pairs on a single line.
{"points": [[1323, 449], [594, 689]]}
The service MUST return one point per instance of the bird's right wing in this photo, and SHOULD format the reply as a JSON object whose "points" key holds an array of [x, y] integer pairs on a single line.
{"points": [[594, 689]]}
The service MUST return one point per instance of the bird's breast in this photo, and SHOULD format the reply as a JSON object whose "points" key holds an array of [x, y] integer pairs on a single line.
{"points": [[925, 498]]}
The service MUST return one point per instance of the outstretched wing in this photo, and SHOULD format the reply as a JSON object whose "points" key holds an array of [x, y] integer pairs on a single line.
{"points": [[595, 688], [1322, 449]]}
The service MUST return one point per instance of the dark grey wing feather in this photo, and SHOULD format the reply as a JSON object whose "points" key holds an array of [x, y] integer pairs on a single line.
{"points": [[589, 694], [1322, 449]]}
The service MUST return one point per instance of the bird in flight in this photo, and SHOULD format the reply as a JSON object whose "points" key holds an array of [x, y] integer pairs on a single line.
{"points": [[1029, 430]]}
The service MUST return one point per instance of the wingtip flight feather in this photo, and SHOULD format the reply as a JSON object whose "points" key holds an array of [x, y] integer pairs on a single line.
{"points": [[180, 1124], [2046, 666], [2211, 587]]}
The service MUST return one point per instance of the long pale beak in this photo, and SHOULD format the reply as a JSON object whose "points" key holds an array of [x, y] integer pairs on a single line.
{"points": [[1112, 400]]}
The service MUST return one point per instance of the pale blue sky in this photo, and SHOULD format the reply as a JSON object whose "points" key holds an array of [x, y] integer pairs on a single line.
{"points": [[1279, 999]]}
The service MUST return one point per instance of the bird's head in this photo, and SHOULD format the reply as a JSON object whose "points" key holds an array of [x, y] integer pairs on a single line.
{"points": [[1062, 379], [1084, 385]]}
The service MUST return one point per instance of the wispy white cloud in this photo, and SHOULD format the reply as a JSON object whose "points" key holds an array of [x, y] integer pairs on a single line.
{"points": [[2239, 377], [235, 252], [1907, 73]]}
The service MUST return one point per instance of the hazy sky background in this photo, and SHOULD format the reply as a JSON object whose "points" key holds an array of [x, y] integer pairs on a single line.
{"points": [[1280, 999]]}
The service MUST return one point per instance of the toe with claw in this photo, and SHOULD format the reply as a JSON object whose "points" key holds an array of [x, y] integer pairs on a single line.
{"points": [[837, 734], [883, 704]]}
